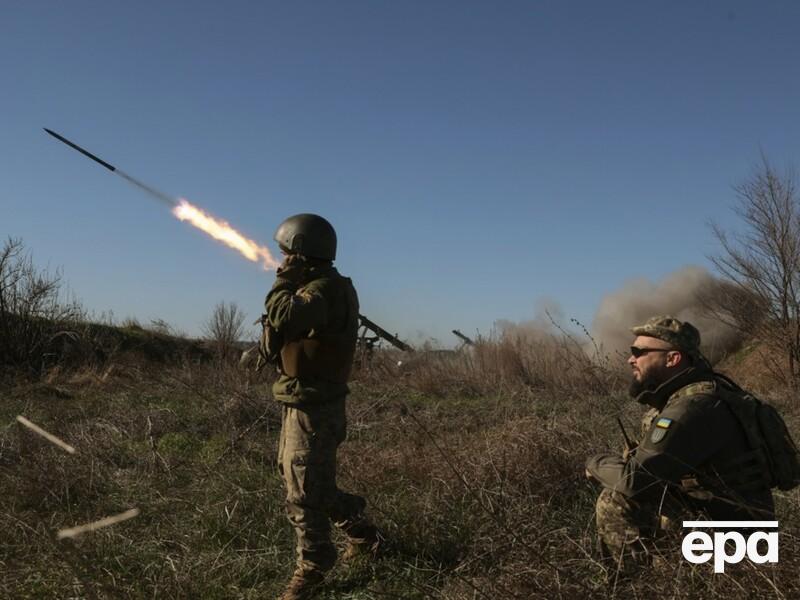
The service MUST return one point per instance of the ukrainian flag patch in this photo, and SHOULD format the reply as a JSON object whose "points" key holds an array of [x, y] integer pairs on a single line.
{"points": [[660, 430]]}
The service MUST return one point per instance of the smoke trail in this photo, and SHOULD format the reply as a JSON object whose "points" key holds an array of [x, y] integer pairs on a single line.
{"points": [[160, 196], [677, 295]]}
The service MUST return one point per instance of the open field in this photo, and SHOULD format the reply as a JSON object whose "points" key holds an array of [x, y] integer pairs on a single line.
{"points": [[473, 466]]}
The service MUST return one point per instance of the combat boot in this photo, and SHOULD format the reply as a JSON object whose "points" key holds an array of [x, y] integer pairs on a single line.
{"points": [[303, 585]]}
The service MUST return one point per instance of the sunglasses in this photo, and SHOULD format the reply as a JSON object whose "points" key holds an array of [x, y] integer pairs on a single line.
{"points": [[636, 352]]}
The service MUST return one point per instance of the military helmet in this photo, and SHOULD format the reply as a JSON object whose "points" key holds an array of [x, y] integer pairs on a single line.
{"points": [[309, 235]]}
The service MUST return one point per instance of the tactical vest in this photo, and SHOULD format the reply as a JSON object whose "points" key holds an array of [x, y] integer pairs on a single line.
{"points": [[327, 353]]}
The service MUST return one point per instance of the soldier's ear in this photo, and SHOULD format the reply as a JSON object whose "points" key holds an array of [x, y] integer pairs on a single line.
{"points": [[675, 358]]}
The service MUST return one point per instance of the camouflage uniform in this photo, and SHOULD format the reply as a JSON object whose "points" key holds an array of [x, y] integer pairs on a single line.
{"points": [[694, 457], [312, 319]]}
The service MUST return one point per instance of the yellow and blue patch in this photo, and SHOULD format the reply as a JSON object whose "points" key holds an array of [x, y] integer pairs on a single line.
{"points": [[660, 430]]}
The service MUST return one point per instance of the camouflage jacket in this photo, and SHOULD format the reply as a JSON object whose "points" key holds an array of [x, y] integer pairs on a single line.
{"points": [[693, 447], [321, 306]]}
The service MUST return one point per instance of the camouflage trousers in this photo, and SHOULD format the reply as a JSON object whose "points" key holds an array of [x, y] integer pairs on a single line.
{"points": [[633, 534], [310, 436]]}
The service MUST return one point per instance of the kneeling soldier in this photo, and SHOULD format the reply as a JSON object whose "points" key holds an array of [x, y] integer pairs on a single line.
{"points": [[695, 455]]}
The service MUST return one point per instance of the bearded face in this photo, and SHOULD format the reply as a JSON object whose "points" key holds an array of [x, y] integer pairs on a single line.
{"points": [[647, 381], [649, 364]]}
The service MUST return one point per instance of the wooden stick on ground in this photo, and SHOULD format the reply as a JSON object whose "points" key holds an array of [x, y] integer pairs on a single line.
{"points": [[48, 436], [73, 532]]}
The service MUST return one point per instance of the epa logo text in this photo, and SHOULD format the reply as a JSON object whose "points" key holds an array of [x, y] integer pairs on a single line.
{"points": [[700, 547]]}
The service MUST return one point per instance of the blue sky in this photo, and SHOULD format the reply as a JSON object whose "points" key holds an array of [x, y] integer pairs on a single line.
{"points": [[474, 157]]}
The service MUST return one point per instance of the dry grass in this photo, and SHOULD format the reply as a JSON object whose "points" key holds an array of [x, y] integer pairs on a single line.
{"points": [[472, 463]]}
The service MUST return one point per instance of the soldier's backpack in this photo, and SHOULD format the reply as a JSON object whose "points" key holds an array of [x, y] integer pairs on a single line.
{"points": [[766, 430]]}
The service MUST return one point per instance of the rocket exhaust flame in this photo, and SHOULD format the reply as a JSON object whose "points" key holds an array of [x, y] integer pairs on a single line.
{"points": [[221, 231], [183, 210]]}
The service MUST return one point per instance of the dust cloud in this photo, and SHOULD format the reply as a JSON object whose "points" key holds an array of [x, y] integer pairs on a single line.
{"points": [[678, 294]]}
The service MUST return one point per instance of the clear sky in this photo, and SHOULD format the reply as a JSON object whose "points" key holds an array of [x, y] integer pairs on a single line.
{"points": [[474, 157]]}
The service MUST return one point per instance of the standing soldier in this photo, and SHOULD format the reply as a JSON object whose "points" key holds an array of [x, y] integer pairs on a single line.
{"points": [[310, 330], [703, 448]]}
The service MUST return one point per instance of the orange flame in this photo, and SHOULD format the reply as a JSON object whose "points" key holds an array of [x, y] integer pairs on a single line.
{"points": [[220, 230]]}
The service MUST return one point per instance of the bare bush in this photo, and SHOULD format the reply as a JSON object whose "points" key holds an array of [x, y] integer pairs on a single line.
{"points": [[224, 328], [763, 265], [33, 311]]}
